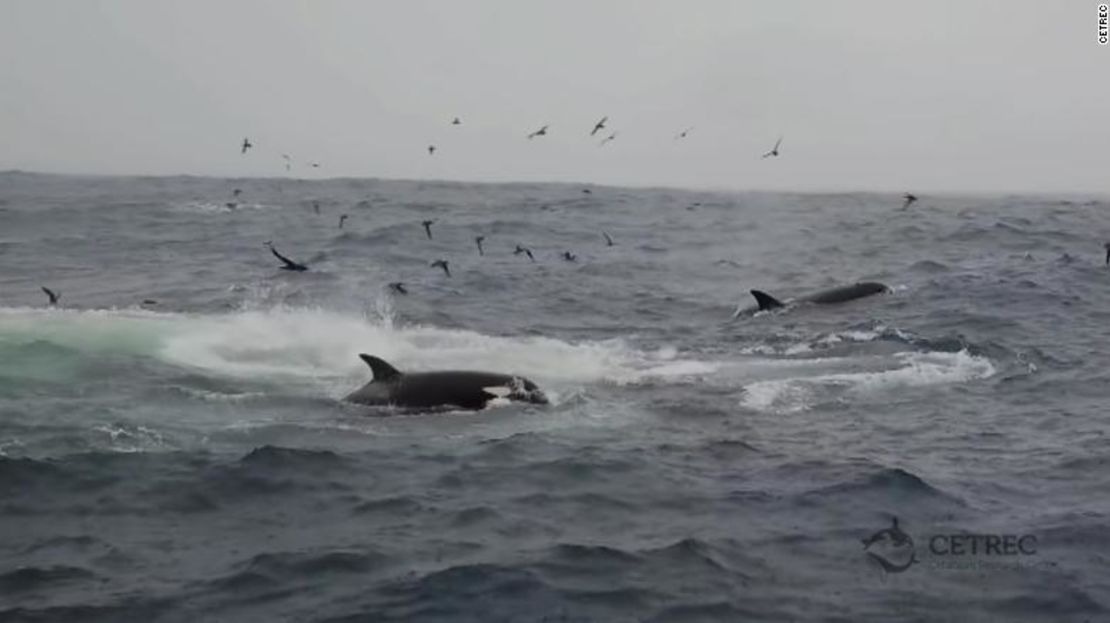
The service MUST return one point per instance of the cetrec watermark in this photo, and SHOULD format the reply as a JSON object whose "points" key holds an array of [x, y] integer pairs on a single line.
{"points": [[895, 551], [1103, 23]]}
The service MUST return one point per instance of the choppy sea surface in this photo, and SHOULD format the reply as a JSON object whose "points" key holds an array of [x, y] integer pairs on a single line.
{"points": [[173, 446]]}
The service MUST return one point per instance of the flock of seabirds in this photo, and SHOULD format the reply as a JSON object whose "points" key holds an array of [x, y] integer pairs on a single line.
{"points": [[473, 390]]}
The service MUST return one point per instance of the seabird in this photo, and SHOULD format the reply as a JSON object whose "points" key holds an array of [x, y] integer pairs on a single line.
{"points": [[774, 150], [607, 139], [231, 205], [314, 165], [288, 264], [149, 302], [520, 249], [246, 145], [431, 150], [683, 133], [442, 264], [342, 217], [398, 287], [910, 198], [608, 241], [600, 125], [478, 241], [587, 191], [1107, 246], [456, 121], [568, 256], [428, 227], [236, 192], [51, 294], [288, 161], [540, 132]]}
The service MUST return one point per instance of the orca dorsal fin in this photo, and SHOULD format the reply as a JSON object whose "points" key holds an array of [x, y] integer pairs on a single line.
{"points": [[766, 301], [381, 369]]}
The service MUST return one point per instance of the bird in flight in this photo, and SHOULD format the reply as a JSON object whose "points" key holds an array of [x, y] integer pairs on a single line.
{"points": [[316, 207], [428, 227], [683, 133], [525, 250], [607, 139], [287, 264], [456, 121], [540, 132], [774, 150], [442, 264], [398, 287], [431, 150], [910, 198], [342, 217], [478, 241], [568, 256], [246, 145], [236, 192], [53, 296], [608, 241], [1107, 245], [288, 161], [599, 125], [315, 165]]}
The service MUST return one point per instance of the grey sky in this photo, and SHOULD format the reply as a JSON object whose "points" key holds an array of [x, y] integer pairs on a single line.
{"points": [[870, 95]]}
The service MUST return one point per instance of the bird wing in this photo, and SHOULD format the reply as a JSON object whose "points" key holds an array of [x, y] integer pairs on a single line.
{"points": [[288, 262], [777, 143]]}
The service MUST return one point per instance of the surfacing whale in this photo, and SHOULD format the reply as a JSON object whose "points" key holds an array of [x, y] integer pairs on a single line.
{"points": [[464, 389], [831, 296]]}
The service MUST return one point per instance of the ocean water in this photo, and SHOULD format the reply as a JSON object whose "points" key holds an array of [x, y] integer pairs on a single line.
{"points": [[189, 458]]}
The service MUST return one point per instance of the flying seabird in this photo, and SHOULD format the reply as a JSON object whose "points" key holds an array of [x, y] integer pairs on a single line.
{"points": [[608, 241], [316, 207], [51, 294], [568, 256], [231, 205], [607, 139], [398, 287], [520, 249], [540, 132], [246, 145], [1107, 246], [314, 165], [442, 264], [683, 133], [456, 121], [478, 241], [288, 161], [342, 217], [431, 150], [587, 191], [910, 198], [237, 192], [428, 227], [600, 125], [288, 263], [774, 150]]}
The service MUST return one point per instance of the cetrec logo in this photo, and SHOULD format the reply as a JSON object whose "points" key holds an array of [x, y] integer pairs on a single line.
{"points": [[1103, 23]]}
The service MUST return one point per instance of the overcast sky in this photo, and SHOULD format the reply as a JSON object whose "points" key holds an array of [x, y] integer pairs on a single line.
{"points": [[948, 95]]}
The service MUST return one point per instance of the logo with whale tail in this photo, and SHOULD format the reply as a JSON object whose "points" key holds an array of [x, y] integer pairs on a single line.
{"points": [[891, 548]]}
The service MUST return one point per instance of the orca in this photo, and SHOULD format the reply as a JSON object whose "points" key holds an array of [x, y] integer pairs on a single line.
{"points": [[463, 389], [831, 296]]}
